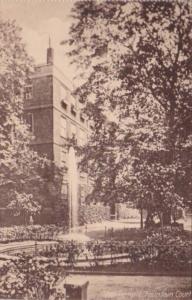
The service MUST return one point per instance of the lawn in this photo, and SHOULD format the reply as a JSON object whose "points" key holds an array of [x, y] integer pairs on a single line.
{"points": [[125, 234], [140, 268]]}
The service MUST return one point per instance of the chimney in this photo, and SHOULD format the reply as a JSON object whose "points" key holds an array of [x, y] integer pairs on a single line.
{"points": [[50, 54]]}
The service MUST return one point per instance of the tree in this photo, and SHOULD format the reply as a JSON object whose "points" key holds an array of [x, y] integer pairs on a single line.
{"points": [[137, 92], [21, 180]]}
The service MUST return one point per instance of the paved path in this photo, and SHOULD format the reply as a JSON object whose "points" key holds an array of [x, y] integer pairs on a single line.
{"points": [[106, 225], [127, 223], [136, 288]]}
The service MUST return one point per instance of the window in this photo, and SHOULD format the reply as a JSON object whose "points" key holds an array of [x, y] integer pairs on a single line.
{"points": [[73, 110], [28, 92], [73, 131], [64, 104], [63, 158], [63, 93], [82, 138], [63, 127], [63, 98], [82, 118], [28, 118]]}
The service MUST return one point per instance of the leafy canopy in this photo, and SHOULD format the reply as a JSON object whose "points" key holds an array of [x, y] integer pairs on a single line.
{"points": [[136, 66], [20, 176]]}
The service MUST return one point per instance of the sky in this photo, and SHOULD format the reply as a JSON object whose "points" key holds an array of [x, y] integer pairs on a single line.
{"points": [[40, 19]]}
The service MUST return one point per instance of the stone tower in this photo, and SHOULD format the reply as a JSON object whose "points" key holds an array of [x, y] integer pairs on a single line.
{"points": [[54, 115]]}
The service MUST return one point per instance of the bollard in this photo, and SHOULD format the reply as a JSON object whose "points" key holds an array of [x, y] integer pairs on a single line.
{"points": [[76, 289]]}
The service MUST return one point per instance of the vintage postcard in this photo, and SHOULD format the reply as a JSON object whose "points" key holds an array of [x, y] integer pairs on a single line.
{"points": [[95, 149]]}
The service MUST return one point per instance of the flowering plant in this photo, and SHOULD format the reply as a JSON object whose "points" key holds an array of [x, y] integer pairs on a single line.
{"points": [[155, 250], [29, 278], [30, 232]]}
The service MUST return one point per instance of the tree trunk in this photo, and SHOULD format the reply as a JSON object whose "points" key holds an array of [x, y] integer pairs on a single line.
{"points": [[141, 222], [166, 217], [171, 149], [149, 220], [161, 222]]}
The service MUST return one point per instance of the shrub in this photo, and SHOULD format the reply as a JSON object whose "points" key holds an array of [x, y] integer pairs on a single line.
{"points": [[31, 232], [27, 278], [93, 213], [167, 251], [155, 250]]}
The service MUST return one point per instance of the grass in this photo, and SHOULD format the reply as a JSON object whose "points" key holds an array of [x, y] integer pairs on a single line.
{"points": [[126, 234], [137, 268], [133, 234]]}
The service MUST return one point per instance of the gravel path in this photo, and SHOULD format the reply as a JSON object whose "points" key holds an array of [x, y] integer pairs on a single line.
{"points": [[137, 287]]}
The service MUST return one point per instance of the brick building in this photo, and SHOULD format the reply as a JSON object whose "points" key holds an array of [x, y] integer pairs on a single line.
{"points": [[54, 115]]}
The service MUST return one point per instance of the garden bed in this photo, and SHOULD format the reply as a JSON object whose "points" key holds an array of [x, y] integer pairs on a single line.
{"points": [[30, 232]]}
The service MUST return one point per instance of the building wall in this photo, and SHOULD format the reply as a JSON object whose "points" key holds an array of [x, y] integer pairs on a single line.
{"points": [[39, 105], [73, 123], [61, 94], [42, 90], [50, 103]]}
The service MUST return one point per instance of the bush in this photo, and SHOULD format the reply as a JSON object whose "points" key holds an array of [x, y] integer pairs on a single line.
{"points": [[166, 252], [31, 232], [27, 278], [93, 213]]}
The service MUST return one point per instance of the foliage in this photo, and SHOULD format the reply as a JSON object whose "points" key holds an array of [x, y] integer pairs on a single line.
{"points": [[93, 213], [19, 165], [28, 279], [24, 202], [167, 251], [30, 232], [136, 65], [27, 181], [171, 250]]}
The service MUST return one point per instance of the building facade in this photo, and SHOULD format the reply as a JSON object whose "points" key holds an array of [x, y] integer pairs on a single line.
{"points": [[53, 116]]}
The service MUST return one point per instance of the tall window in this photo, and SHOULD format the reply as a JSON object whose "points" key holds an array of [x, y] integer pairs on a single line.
{"points": [[82, 138], [63, 158], [63, 93], [28, 118], [28, 92], [73, 131], [63, 127]]}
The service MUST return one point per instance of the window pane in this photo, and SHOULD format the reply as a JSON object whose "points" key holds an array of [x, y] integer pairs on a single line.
{"points": [[82, 138], [73, 130], [63, 94], [29, 121], [28, 92], [63, 127], [63, 158]]}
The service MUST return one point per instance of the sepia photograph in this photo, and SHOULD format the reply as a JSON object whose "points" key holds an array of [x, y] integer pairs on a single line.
{"points": [[95, 149]]}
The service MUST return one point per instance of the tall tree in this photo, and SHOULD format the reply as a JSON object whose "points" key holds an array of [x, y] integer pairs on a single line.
{"points": [[20, 167], [137, 61]]}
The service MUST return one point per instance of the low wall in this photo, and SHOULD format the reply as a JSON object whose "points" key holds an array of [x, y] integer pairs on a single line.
{"points": [[31, 247]]}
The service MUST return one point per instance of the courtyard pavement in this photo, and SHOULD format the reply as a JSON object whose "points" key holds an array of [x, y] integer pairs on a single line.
{"points": [[136, 287], [127, 223]]}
